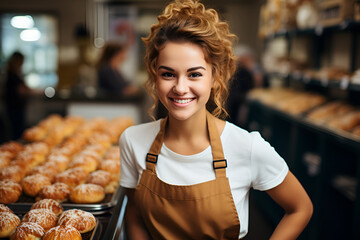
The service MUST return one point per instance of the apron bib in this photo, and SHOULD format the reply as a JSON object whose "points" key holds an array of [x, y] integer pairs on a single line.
{"points": [[201, 211]]}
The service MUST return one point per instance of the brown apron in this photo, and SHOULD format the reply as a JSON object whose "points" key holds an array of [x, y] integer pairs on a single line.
{"points": [[201, 211]]}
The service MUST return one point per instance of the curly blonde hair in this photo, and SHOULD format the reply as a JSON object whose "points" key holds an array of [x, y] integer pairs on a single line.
{"points": [[188, 20]]}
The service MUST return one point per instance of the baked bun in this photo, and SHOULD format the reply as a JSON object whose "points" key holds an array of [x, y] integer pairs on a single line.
{"points": [[27, 231], [11, 147], [86, 162], [113, 153], [59, 160], [87, 193], [103, 178], [8, 222], [5, 159], [57, 191], [4, 208], [34, 183], [12, 172], [79, 219], [35, 133], [48, 169], [99, 177], [10, 191], [44, 217], [111, 166], [49, 204], [72, 177], [62, 233]]}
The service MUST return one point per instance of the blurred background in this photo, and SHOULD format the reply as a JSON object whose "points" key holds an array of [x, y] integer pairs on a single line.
{"points": [[297, 83]]}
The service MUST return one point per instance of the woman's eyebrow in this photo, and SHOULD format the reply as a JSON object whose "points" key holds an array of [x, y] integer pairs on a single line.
{"points": [[196, 68], [166, 68]]}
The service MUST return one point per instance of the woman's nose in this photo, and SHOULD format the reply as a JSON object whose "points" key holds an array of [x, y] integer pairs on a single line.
{"points": [[181, 86]]}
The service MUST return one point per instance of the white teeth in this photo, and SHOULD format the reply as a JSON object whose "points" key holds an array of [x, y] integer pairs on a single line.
{"points": [[182, 101]]}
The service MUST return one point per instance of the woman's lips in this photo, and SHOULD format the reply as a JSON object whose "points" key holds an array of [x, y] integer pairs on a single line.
{"points": [[182, 101]]}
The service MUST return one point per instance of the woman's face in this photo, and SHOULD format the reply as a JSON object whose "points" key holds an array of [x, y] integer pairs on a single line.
{"points": [[184, 79]]}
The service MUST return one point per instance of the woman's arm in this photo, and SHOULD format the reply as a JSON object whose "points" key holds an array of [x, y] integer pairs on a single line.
{"points": [[291, 196], [134, 225]]}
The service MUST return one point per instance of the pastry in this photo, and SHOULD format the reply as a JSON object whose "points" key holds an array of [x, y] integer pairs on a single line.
{"points": [[111, 166], [44, 217], [10, 191], [113, 153], [4, 208], [87, 162], [79, 219], [103, 178], [62, 233], [49, 204], [8, 222], [27, 231], [12, 172], [57, 191], [87, 193], [33, 183], [72, 177]]}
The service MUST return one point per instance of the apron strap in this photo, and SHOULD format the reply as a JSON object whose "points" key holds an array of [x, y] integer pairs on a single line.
{"points": [[152, 156], [219, 161]]}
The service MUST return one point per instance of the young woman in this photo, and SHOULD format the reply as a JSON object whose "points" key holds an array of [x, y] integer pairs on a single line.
{"points": [[188, 176]]}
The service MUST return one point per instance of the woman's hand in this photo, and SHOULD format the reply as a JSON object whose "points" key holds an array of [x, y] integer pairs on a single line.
{"points": [[291, 196]]}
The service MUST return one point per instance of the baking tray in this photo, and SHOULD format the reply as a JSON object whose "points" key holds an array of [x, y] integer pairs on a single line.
{"points": [[92, 235], [25, 202]]}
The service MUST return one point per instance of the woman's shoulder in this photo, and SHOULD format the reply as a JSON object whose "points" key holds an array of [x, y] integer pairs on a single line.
{"points": [[141, 132]]}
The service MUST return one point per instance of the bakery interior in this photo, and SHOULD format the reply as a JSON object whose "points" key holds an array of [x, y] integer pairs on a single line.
{"points": [[303, 97]]}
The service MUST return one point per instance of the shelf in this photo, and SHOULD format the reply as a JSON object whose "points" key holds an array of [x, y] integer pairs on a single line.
{"points": [[317, 31], [337, 135], [343, 84]]}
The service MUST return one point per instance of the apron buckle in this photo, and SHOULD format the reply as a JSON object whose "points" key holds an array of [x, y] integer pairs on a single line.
{"points": [[151, 158], [217, 164]]}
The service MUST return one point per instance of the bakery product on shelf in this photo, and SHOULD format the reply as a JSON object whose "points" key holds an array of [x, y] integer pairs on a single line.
{"points": [[8, 222], [62, 232], [47, 169], [72, 177], [57, 191], [27, 231], [113, 153], [60, 161], [87, 193], [11, 147], [328, 111], [32, 184], [35, 133], [346, 122], [44, 217], [10, 191], [49, 204], [79, 219]]}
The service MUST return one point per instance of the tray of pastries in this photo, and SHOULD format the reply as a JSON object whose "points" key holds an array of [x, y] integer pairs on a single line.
{"points": [[47, 219], [69, 159]]}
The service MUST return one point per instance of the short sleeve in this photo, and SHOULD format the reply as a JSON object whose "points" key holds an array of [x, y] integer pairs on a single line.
{"points": [[268, 168], [129, 174]]}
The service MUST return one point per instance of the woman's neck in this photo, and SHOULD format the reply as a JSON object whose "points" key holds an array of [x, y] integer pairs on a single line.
{"points": [[188, 136]]}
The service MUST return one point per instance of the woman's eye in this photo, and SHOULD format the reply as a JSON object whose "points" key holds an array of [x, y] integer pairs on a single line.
{"points": [[167, 75], [195, 75]]}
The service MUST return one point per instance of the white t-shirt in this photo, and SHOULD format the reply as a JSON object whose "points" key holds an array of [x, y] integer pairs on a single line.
{"points": [[252, 162]]}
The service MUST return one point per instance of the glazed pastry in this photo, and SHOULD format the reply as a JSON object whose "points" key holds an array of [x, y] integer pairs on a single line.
{"points": [[103, 178], [87, 193], [27, 231], [10, 191], [12, 172], [44, 217], [62, 233], [72, 177], [48, 169], [86, 162], [113, 153], [49, 204], [33, 183], [4, 208], [111, 166], [79, 219], [57, 191], [12, 147], [8, 222], [35, 133]]}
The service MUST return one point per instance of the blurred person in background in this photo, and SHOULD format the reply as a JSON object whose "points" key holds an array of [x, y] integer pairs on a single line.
{"points": [[248, 75], [16, 92], [110, 79]]}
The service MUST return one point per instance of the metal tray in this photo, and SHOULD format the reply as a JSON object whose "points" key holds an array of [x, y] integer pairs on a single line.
{"points": [[25, 202]]}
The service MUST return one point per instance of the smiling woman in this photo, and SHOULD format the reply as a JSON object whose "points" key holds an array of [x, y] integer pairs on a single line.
{"points": [[188, 175]]}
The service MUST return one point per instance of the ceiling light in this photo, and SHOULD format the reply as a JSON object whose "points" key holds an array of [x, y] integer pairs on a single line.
{"points": [[22, 21], [30, 35]]}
